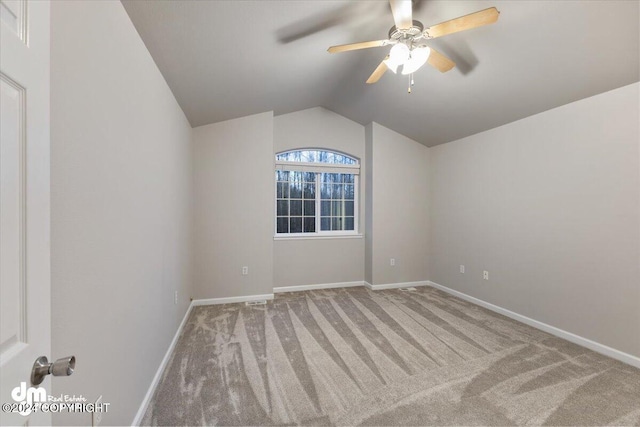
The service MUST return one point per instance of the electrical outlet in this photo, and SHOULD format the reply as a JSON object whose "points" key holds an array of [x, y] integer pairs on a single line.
{"points": [[96, 416], [392, 262], [245, 270], [485, 275], [175, 297], [461, 268]]}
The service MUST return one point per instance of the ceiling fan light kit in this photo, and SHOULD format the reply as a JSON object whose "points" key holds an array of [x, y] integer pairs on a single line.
{"points": [[408, 40], [398, 55], [417, 59]]}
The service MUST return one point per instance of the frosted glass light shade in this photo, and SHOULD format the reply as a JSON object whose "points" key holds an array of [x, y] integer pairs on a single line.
{"points": [[398, 55], [417, 59]]}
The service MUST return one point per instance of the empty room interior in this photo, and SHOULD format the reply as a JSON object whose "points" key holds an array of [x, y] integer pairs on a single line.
{"points": [[320, 212]]}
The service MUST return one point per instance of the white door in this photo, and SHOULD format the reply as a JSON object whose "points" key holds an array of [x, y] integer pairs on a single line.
{"points": [[25, 329]]}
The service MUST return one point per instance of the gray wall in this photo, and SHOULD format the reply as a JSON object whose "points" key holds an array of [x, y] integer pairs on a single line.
{"points": [[307, 262], [120, 208], [398, 227], [550, 206], [234, 207]]}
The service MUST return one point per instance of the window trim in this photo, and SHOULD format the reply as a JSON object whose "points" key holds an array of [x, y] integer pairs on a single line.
{"points": [[285, 165], [315, 236], [319, 168]]}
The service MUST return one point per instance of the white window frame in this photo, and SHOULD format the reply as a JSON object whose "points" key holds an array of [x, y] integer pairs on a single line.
{"points": [[319, 168]]}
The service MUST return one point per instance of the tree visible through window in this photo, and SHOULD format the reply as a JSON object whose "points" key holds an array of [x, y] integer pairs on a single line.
{"points": [[316, 192]]}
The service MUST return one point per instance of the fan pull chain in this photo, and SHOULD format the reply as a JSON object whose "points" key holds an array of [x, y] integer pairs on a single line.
{"points": [[411, 83]]}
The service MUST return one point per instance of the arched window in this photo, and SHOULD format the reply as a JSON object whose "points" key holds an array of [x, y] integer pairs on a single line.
{"points": [[316, 193]]}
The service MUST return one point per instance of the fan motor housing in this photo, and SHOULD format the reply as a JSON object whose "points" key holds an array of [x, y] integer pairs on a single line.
{"points": [[414, 31]]}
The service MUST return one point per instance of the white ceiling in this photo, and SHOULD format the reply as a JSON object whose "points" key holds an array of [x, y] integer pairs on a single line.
{"points": [[228, 59]]}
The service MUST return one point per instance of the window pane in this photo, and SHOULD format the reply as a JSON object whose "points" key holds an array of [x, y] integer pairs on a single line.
{"points": [[309, 190], [336, 209], [283, 190], [316, 156], [283, 207], [325, 191], [295, 225], [296, 207], [296, 190], [282, 175], [325, 224], [283, 225], [285, 156], [325, 208], [310, 177], [347, 178], [309, 225], [337, 191], [348, 192], [309, 207], [336, 223], [349, 223], [348, 208]]}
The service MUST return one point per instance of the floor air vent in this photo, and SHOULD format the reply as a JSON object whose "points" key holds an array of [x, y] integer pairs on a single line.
{"points": [[261, 302], [408, 289]]}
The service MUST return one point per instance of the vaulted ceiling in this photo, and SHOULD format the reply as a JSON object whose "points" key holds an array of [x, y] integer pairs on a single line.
{"points": [[228, 59]]}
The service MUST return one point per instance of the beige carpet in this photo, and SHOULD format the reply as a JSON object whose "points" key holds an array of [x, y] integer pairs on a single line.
{"points": [[356, 357]]}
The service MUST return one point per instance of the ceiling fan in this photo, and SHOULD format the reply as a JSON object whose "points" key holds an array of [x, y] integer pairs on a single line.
{"points": [[408, 40]]}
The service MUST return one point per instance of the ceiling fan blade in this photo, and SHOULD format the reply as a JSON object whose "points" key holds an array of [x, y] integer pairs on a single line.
{"points": [[467, 22], [439, 61], [378, 72], [417, 5], [349, 12], [301, 30], [402, 14], [356, 46]]}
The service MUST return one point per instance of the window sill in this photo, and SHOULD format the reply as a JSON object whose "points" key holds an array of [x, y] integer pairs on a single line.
{"points": [[320, 237]]}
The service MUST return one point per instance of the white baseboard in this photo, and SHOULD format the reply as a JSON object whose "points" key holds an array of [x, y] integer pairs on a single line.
{"points": [[576, 339], [231, 300], [316, 287], [163, 364], [395, 285]]}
